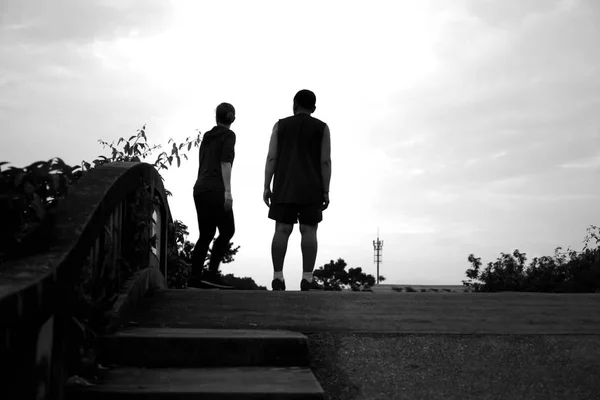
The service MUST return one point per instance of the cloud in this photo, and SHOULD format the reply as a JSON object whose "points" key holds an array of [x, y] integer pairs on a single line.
{"points": [[73, 21], [518, 100], [588, 163]]}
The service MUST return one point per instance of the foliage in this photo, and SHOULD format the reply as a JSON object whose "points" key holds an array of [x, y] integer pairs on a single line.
{"points": [[139, 150], [28, 198], [333, 276], [179, 252], [565, 272]]}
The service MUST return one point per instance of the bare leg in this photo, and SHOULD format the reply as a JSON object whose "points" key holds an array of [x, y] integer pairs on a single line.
{"points": [[309, 246], [279, 245]]}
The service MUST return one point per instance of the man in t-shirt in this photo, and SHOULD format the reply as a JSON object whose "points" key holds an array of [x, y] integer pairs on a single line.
{"points": [[300, 159]]}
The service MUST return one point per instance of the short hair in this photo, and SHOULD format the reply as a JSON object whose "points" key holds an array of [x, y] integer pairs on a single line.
{"points": [[305, 99], [225, 113]]}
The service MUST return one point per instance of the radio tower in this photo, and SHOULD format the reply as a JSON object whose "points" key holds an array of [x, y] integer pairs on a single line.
{"points": [[378, 248]]}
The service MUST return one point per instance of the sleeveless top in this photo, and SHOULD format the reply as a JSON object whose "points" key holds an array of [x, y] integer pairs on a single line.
{"points": [[298, 168]]}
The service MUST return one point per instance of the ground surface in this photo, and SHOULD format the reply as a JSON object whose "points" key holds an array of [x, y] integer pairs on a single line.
{"points": [[417, 345], [501, 313]]}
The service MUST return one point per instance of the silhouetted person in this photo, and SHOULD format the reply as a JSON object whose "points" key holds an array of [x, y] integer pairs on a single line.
{"points": [[300, 158], [212, 196]]}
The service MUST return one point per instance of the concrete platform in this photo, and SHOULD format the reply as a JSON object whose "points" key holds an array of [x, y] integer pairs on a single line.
{"points": [[186, 347], [205, 383], [324, 311]]}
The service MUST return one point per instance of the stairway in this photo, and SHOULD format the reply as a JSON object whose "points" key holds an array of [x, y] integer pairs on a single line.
{"points": [[174, 363]]}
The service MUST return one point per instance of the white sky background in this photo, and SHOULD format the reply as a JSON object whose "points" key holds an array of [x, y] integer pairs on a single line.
{"points": [[457, 127]]}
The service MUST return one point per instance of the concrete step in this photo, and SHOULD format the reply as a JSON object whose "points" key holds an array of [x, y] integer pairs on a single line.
{"points": [[181, 347], [291, 383]]}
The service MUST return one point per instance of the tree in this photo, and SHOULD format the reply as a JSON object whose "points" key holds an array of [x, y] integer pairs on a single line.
{"points": [[333, 276]]}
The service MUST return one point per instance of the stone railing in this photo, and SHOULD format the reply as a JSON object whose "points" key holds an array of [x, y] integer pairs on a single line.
{"points": [[101, 252]]}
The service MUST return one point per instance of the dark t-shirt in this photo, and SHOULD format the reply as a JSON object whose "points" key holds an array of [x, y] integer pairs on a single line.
{"points": [[218, 145], [298, 168]]}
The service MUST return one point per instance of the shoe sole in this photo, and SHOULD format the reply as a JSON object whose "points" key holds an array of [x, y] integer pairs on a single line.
{"points": [[215, 285]]}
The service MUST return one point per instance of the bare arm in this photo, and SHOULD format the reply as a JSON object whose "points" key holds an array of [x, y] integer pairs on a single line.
{"points": [[226, 163], [271, 158], [326, 159], [226, 173]]}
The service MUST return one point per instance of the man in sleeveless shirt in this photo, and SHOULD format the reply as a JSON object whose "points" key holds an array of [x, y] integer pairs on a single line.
{"points": [[299, 159]]}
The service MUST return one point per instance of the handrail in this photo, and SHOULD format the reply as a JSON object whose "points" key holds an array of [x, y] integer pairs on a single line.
{"points": [[35, 290]]}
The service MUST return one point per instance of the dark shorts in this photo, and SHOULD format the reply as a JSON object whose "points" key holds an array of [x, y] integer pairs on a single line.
{"points": [[307, 214]]}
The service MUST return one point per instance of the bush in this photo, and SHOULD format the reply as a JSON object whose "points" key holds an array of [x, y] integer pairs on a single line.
{"points": [[565, 272]]}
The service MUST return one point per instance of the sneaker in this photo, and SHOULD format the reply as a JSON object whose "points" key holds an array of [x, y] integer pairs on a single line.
{"points": [[277, 284], [305, 285]]}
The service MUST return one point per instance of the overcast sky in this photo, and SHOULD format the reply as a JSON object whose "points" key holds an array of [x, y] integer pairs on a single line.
{"points": [[457, 126]]}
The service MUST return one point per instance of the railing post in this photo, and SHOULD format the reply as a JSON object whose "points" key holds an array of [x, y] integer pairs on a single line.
{"points": [[164, 236], [117, 237]]}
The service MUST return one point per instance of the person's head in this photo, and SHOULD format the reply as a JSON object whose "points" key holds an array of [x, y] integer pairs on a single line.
{"points": [[305, 101], [225, 114]]}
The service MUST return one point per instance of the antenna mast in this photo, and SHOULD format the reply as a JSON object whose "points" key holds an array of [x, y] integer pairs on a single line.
{"points": [[378, 248]]}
